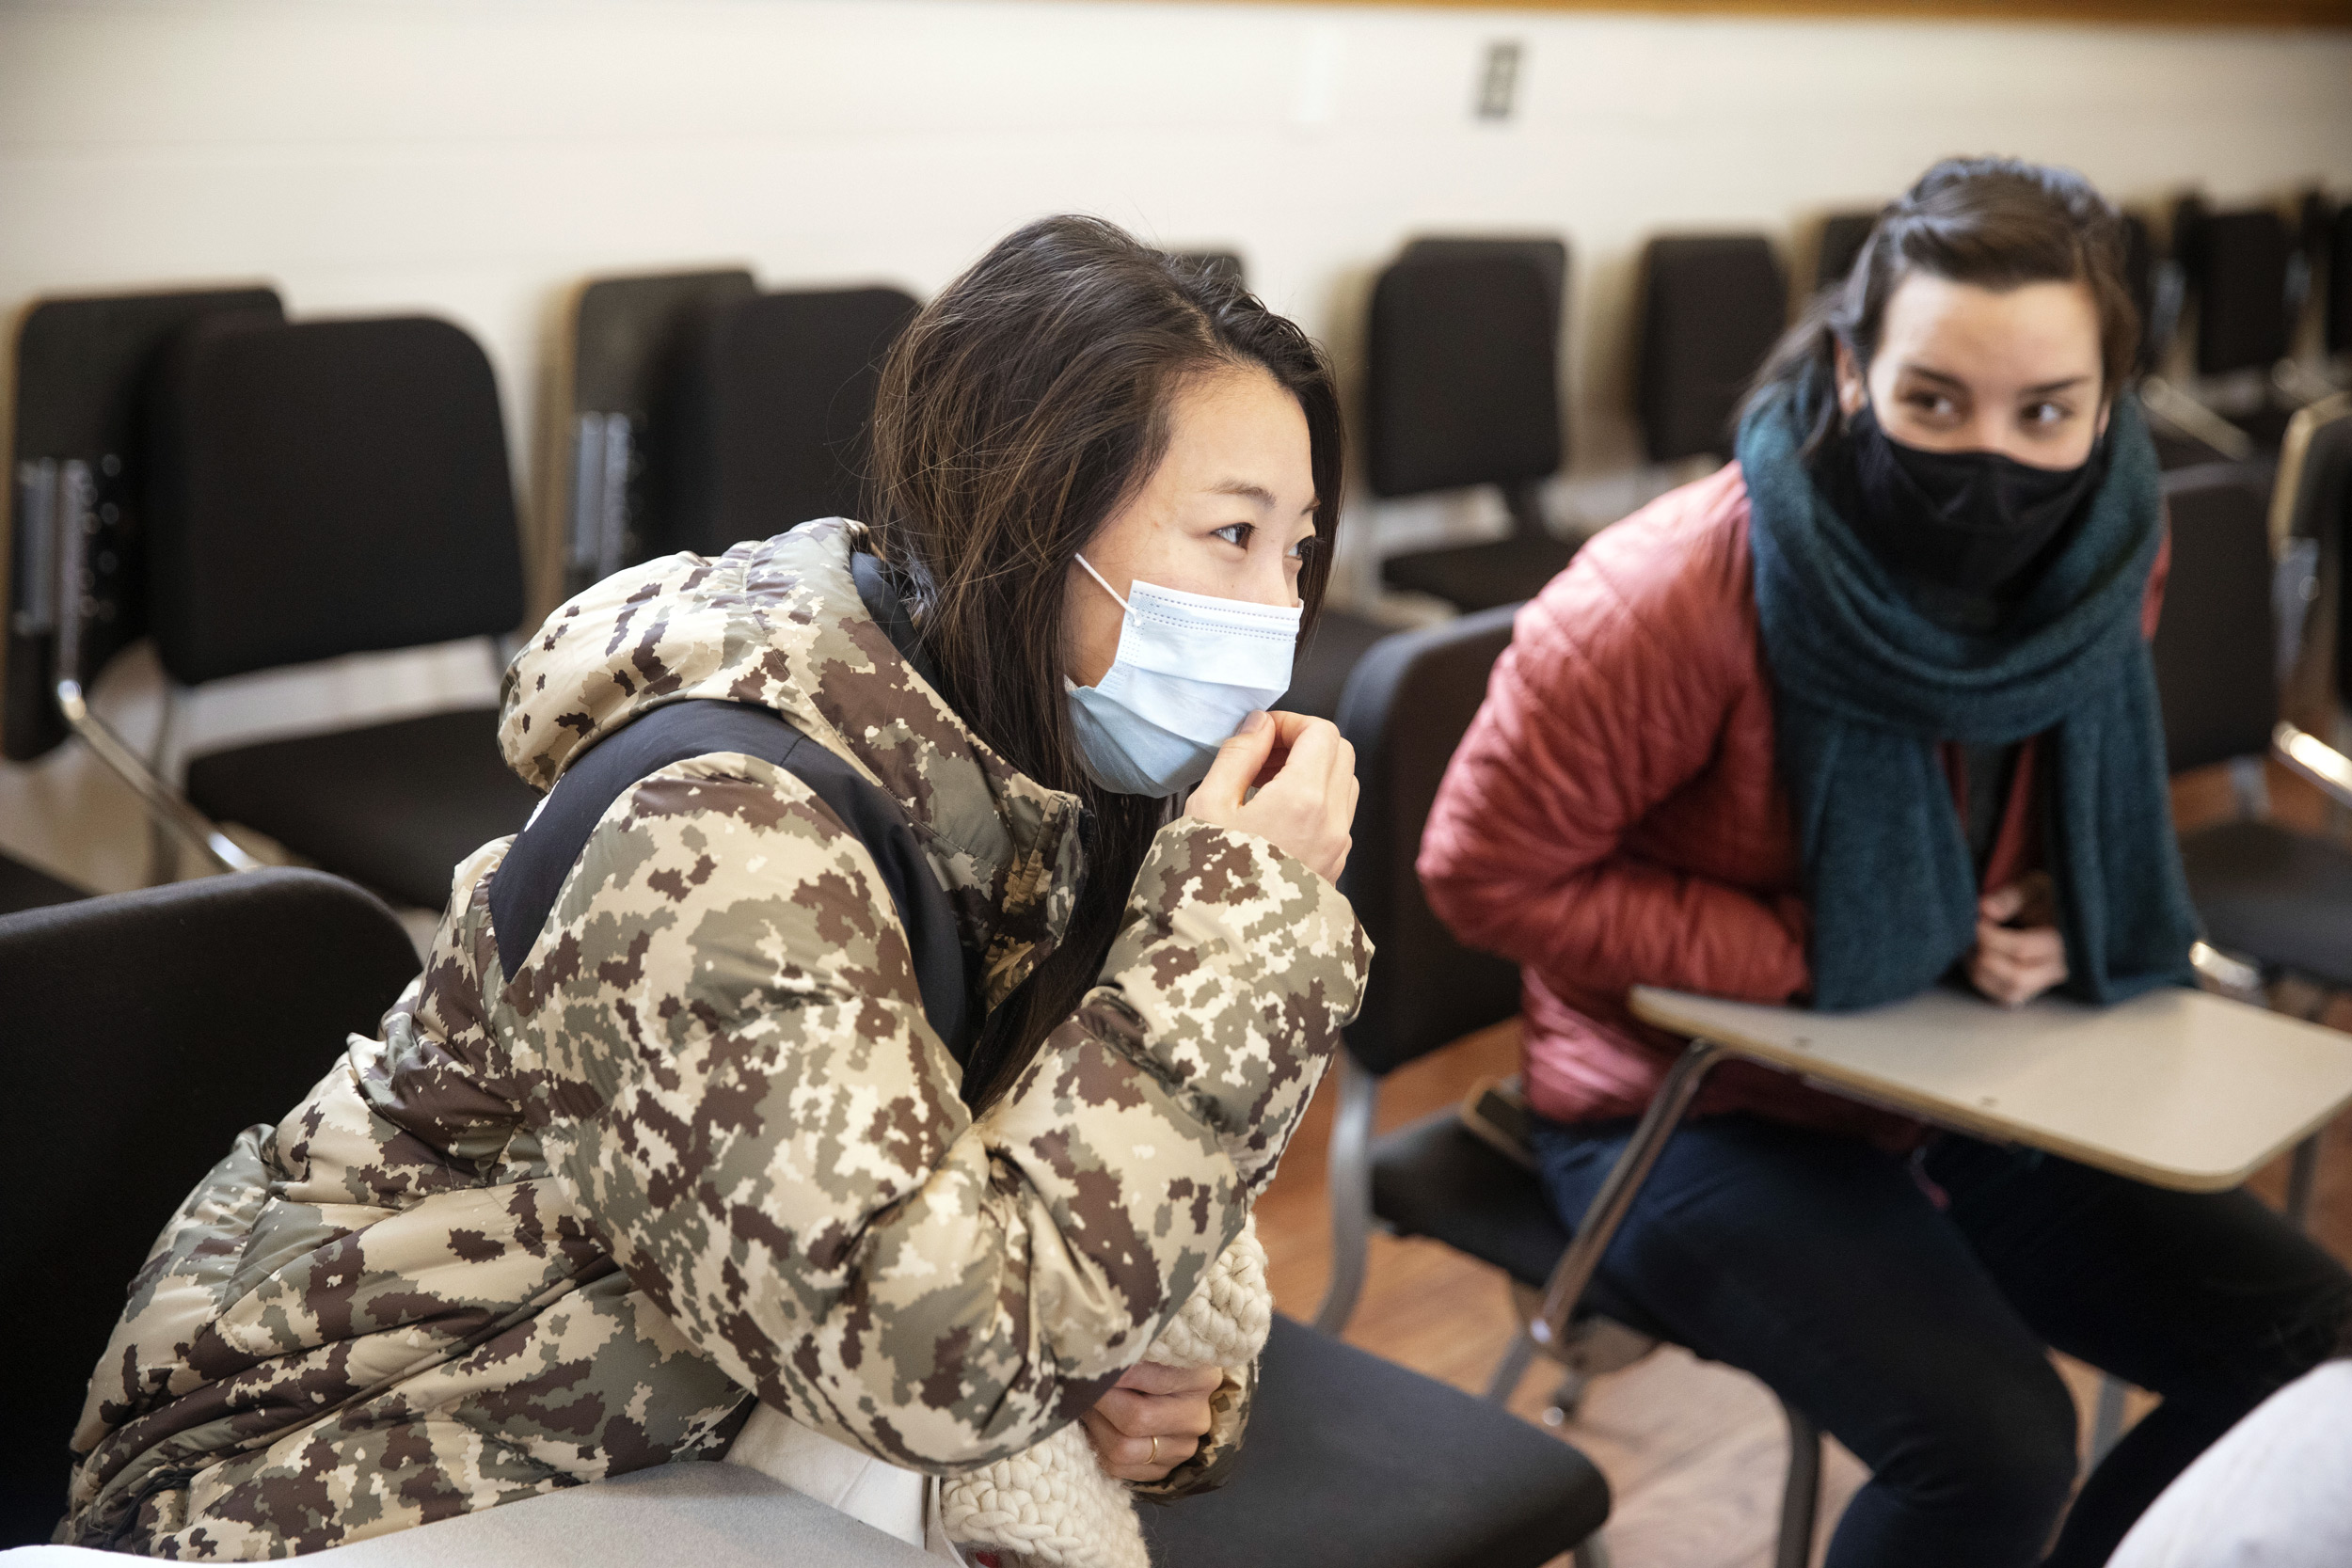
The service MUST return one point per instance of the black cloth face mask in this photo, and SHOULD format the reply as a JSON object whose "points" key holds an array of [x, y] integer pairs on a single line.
{"points": [[1967, 520]]}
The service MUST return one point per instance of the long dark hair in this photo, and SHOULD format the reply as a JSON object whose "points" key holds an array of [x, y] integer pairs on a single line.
{"points": [[1998, 223], [1015, 415]]}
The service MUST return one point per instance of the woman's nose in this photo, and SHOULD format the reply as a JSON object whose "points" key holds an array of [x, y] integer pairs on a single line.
{"points": [[1992, 433]]}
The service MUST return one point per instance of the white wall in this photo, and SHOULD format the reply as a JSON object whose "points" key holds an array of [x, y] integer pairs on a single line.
{"points": [[471, 158]]}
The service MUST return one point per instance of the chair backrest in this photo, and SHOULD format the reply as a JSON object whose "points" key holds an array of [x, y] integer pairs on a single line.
{"points": [[2321, 510], [1839, 246], [323, 488], [765, 423], [1462, 366], [2237, 264], [2215, 647], [626, 339], [142, 1032], [82, 372], [1406, 706], [2314, 473], [2336, 321], [1712, 305], [2140, 264]]}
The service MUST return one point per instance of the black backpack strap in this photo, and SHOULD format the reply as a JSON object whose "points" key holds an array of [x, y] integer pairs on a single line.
{"points": [[524, 888]]}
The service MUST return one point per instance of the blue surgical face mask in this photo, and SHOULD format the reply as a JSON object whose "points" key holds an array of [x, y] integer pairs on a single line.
{"points": [[1189, 668]]}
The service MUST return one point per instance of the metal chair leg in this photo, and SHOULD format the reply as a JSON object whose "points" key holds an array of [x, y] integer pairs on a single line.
{"points": [[1566, 1396], [1800, 1498], [1348, 1180], [1511, 1369], [1592, 1552]]}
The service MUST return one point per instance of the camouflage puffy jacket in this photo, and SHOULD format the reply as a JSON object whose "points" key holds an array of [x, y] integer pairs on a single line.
{"points": [[704, 1145]]}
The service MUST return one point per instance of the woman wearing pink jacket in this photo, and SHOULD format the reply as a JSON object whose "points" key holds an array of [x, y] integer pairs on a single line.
{"points": [[1868, 710]]}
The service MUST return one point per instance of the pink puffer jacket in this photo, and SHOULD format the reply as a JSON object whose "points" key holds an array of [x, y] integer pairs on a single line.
{"points": [[1615, 816]]}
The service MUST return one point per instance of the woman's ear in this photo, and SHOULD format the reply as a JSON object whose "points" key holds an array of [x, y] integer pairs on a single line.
{"points": [[1853, 391]]}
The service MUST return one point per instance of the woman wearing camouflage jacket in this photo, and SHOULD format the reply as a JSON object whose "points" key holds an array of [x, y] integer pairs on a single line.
{"points": [[692, 1142]]}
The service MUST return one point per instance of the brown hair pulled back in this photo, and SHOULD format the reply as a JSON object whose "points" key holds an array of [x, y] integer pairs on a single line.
{"points": [[1015, 415], [1998, 222]]}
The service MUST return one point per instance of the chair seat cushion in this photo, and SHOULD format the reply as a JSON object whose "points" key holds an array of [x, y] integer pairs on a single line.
{"points": [[1433, 1178], [2277, 896], [1353, 1460], [394, 806]]}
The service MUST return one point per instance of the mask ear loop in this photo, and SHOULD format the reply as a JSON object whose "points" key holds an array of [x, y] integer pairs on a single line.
{"points": [[1106, 587]]}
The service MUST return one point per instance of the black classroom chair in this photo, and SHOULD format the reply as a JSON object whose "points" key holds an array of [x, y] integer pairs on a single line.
{"points": [[79, 373], [2224, 274], [2314, 509], [1406, 710], [2336, 316], [2143, 266], [764, 421], [1463, 390], [141, 1033], [2237, 269], [323, 489], [1838, 247], [1712, 306], [2269, 894], [1353, 1462], [624, 337]]}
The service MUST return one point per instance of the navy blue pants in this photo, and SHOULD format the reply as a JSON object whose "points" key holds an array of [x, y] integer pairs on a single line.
{"points": [[1913, 1328]]}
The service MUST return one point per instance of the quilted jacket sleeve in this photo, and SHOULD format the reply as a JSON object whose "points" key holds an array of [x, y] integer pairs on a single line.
{"points": [[1612, 696], [746, 1100]]}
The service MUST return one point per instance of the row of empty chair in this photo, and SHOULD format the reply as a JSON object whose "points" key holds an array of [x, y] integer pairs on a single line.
{"points": [[254, 492]]}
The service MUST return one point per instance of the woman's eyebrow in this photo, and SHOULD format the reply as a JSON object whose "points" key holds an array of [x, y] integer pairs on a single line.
{"points": [[1256, 494], [1928, 373]]}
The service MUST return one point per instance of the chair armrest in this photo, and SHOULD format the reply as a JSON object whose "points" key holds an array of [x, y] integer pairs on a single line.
{"points": [[2314, 761]]}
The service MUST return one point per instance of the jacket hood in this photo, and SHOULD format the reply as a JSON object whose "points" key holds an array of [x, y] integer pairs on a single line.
{"points": [[778, 623]]}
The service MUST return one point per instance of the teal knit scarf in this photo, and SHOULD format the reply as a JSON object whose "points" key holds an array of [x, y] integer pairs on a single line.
{"points": [[1865, 687]]}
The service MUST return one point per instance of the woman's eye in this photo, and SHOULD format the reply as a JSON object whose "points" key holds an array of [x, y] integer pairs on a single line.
{"points": [[2048, 414], [1304, 549], [1934, 405], [1237, 534]]}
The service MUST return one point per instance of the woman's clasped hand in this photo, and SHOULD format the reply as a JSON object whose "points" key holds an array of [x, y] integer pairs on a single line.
{"points": [[1303, 775], [2014, 964], [1152, 1419]]}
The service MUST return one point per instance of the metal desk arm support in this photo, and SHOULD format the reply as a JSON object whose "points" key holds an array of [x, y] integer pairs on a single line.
{"points": [[1551, 1325], [1609, 1207], [69, 518]]}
